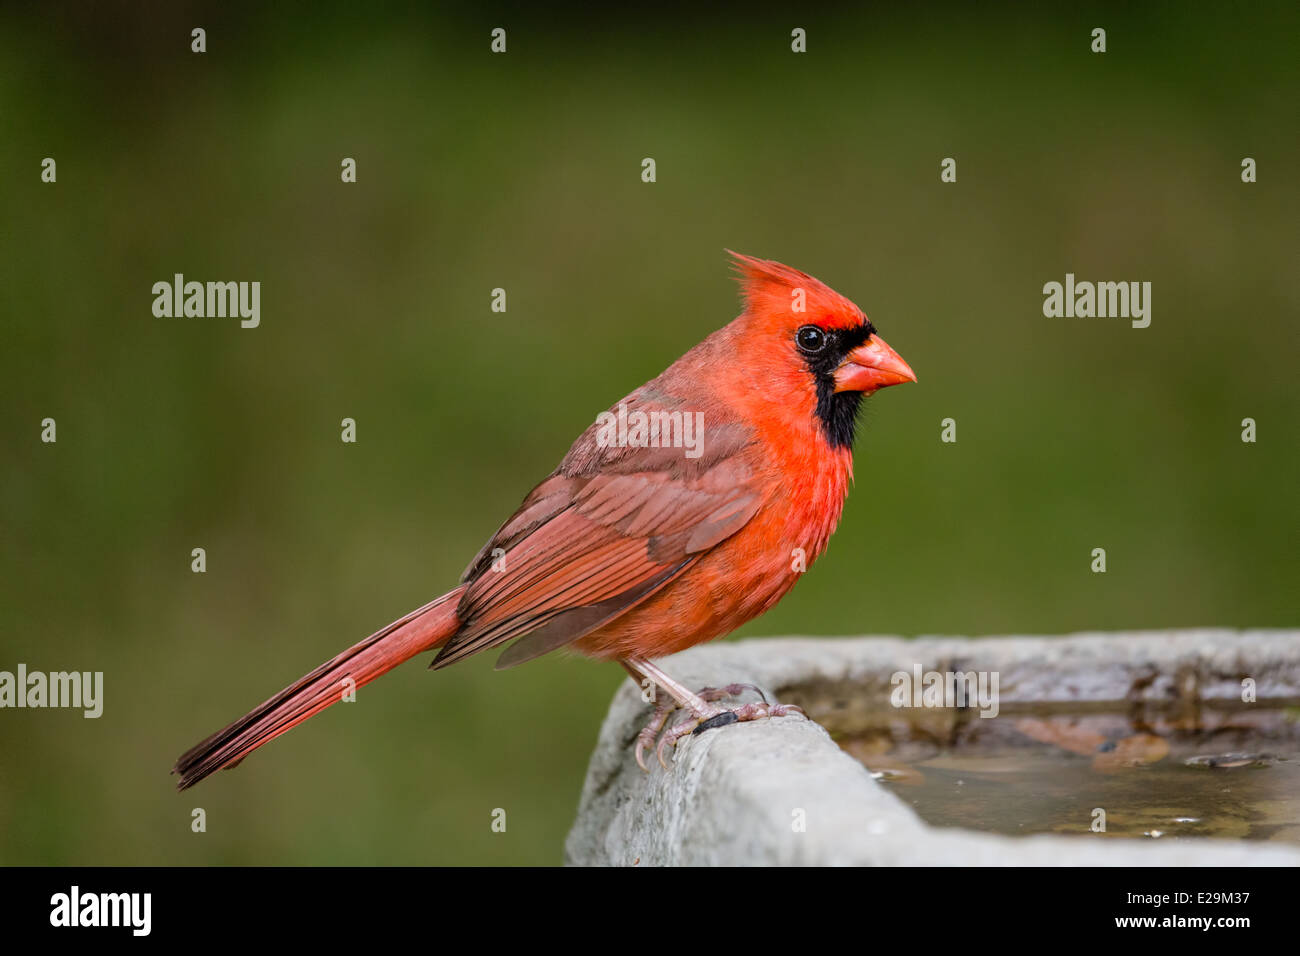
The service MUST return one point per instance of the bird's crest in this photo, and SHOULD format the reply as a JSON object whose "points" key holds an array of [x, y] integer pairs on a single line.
{"points": [[770, 288]]}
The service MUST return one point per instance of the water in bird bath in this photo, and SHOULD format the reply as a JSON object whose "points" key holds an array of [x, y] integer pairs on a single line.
{"points": [[1061, 769]]}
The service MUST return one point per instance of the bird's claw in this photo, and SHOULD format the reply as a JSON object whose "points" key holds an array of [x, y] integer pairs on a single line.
{"points": [[650, 732], [698, 723]]}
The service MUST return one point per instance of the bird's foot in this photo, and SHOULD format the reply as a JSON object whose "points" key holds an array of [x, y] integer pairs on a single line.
{"points": [[698, 721], [650, 733], [697, 724]]}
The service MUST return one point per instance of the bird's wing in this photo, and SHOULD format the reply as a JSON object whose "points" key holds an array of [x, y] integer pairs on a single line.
{"points": [[605, 532]]}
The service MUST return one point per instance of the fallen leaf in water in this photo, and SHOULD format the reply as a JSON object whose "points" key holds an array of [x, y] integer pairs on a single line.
{"points": [[1136, 751], [1058, 733]]}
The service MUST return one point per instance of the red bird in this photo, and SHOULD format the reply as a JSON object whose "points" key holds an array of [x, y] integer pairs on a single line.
{"points": [[629, 551]]}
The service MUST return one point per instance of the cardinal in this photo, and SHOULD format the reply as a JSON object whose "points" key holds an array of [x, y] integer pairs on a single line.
{"points": [[635, 549]]}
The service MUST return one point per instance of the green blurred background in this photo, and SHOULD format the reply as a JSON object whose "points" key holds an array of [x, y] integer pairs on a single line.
{"points": [[523, 171]]}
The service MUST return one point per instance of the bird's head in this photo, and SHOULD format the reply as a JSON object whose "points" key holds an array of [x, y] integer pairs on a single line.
{"points": [[814, 342]]}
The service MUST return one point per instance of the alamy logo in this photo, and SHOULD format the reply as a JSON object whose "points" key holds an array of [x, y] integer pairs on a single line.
{"points": [[214, 300], [75, 689], [657, 429], [1115, 300], [75, 908], [945, 689]]}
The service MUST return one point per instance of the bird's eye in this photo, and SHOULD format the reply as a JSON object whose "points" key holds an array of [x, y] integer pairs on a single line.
{"points": [[810, 338]]}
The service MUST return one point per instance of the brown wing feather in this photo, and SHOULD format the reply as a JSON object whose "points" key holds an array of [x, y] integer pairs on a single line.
{"points": [[609, 529]]}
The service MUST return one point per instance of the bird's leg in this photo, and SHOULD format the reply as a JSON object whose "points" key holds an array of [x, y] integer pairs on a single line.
{"points": [[702, 715], [679, 697]]}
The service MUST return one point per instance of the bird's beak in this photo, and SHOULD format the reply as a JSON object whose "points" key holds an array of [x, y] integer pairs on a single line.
{"points": [[870, 366]]}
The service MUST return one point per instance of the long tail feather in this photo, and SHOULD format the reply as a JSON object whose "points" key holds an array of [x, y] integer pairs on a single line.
{"points": [[423, 629]]}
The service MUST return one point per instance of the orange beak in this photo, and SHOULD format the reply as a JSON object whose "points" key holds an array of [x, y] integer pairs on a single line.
{"points": [[870, 366]]}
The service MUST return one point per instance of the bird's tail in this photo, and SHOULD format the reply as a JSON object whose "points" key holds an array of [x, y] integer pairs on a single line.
{"points": [[423, 629]]}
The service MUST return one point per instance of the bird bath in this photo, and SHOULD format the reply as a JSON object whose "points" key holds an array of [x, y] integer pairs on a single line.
{"points": [[1151, 748], [1144, 771]]}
